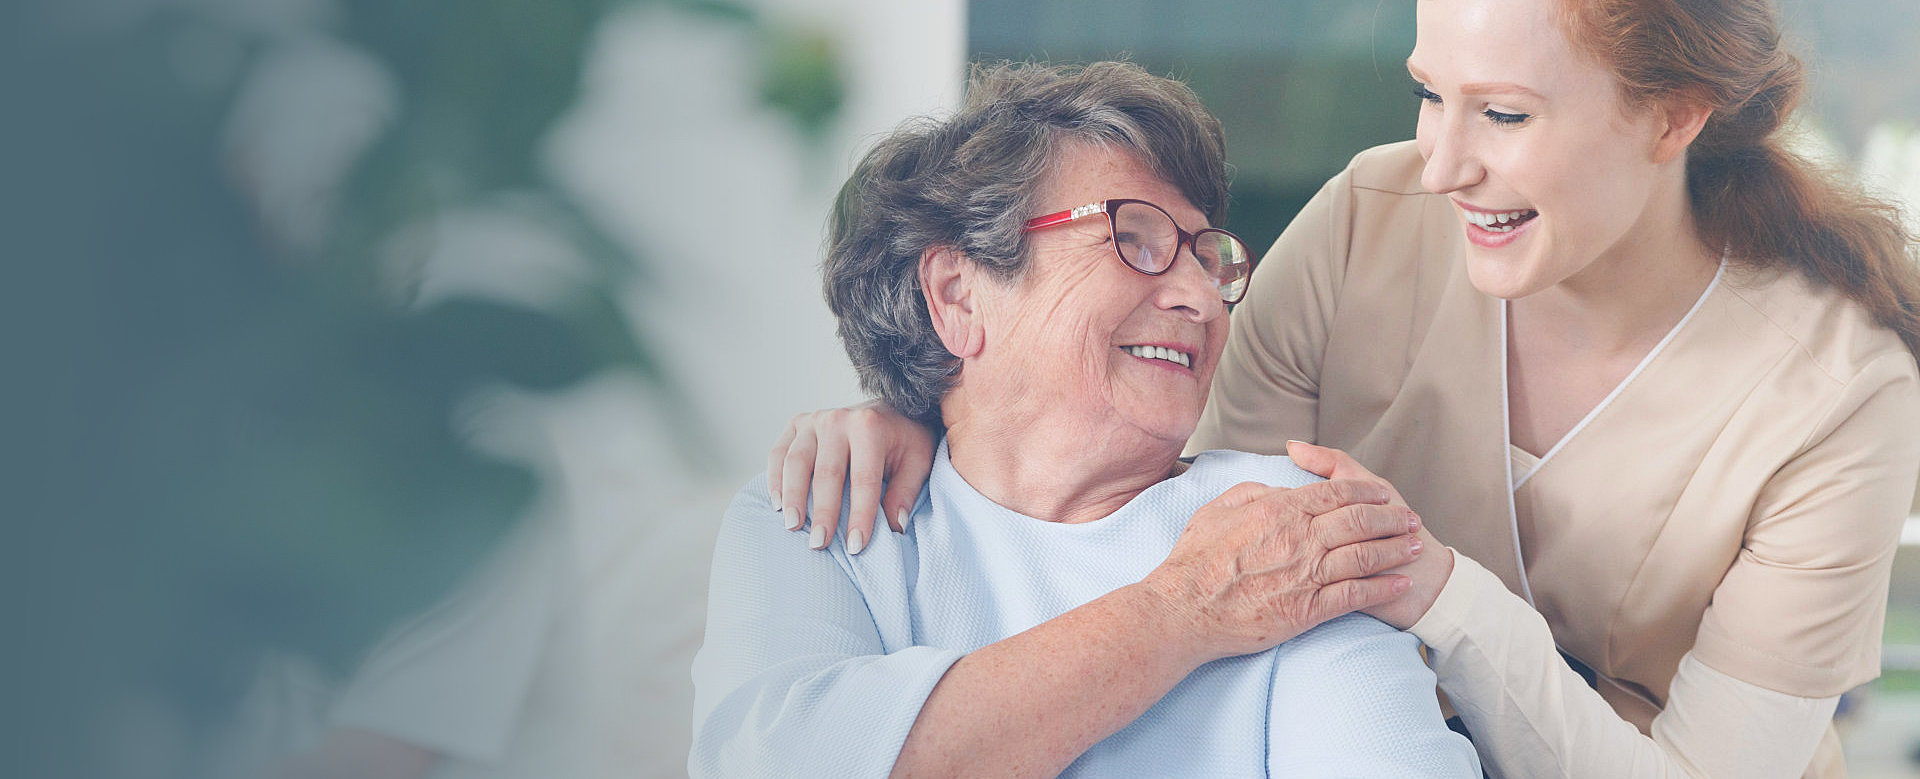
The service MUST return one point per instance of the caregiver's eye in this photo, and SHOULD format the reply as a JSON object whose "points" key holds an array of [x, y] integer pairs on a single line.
{"points": [[1426, 95], [1502, 117]]}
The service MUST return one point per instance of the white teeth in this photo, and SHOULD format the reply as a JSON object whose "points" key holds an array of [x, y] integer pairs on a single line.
{"points": [[1496, 222], [1162, 353]]}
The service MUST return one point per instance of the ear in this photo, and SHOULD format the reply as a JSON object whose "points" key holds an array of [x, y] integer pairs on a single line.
{"points": [[950, 285], [1681, 122]]}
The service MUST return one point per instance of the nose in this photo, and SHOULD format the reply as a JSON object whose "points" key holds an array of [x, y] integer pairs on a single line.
{"points": [[1451, 164], [1189, 290]]}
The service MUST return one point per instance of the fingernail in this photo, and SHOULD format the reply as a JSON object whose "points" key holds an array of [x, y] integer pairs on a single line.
{"points": [[1413, 522], [856, 541], [818, 539], [1297, 441], [901, 517], [1415, 546], [794, 519], [1400, 585]]}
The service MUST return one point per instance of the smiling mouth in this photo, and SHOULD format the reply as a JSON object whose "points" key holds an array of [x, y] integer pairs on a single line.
{"points": [[1179, 358], [1499, 221]]}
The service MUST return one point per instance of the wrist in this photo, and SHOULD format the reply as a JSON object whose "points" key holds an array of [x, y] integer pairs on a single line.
{"points": [[1426, 589], [1166, 623]]}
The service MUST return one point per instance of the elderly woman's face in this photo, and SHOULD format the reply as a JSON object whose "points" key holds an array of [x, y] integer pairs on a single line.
{"points": [[1081, 333]]}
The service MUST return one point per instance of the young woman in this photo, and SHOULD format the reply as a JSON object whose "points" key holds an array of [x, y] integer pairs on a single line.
{"points": [[1650, 375]]}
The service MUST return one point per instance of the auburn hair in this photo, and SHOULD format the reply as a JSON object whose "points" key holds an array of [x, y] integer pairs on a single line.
{"points": [[1767, 205]]}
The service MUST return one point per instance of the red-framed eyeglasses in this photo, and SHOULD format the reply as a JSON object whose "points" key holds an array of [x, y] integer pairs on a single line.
{"points": [[1145, 237]]}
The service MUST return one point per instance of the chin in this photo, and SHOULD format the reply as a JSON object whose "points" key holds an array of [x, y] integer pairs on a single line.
{"points": [[1506, 279]]}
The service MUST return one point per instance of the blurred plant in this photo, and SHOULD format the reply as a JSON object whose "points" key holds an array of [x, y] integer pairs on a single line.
{"points": [[222, 440]]}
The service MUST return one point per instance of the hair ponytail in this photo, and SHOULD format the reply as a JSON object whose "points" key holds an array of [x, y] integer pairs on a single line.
{"points": [[1766, 204]]}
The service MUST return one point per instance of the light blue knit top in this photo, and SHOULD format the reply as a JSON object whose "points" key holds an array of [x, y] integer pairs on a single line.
{"points": [[817, 662]]}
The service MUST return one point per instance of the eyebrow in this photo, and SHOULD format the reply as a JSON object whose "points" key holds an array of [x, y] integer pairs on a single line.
{"points": [[1479, 87]]}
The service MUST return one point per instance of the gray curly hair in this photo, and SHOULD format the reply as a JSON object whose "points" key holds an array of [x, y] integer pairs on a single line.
{"points": [[967, 182]]}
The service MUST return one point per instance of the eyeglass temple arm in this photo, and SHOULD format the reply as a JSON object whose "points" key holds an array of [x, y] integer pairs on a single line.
{"points": [[1068, 215]]}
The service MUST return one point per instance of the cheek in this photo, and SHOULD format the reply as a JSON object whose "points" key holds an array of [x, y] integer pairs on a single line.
{"points": [[1423, 132], [1217, 332]]}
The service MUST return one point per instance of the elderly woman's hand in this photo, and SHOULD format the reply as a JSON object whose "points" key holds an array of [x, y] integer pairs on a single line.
{"points": [[1259, 565], [1427, 575], [861, 447]]}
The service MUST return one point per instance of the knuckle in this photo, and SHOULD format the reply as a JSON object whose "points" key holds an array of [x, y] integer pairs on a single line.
{"points": [[1365, 559], [1348, 490], [1355, 523], [864, 418], [1318, 575], [800, 459], [833, 472]]}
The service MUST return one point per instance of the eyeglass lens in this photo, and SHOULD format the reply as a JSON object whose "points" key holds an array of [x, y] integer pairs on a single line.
{"points": [[1148, 240]]}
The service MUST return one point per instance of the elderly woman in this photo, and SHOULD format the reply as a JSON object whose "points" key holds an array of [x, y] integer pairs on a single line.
{"points": [[1037, 274]]}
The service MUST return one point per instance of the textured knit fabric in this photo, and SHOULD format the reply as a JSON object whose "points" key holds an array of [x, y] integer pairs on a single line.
{"points": [[817, 663]]}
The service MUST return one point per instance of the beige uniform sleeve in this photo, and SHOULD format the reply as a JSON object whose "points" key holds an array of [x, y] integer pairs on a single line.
{"points": [[1802, 607], [1267, 387], [1532, 716]]}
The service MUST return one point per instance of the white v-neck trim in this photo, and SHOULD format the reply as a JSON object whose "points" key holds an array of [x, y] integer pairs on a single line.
{"points": [[1506, 436], [1617, 389]]}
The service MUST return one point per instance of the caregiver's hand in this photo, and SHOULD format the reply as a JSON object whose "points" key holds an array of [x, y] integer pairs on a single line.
{"points": [[1428, 574], [1259, 565], [859, 446]]}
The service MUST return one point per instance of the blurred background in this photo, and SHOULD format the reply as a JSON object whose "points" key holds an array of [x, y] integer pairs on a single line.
{"points": [[379, 369]]}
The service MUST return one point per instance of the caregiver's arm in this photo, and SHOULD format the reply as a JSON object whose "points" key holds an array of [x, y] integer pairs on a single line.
{"points": [[793, 679], [1795, 622], [1531, 715]]}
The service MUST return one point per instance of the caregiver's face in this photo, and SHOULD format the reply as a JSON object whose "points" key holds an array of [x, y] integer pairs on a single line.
{"points": [[1548, 171], [1083, 334]]}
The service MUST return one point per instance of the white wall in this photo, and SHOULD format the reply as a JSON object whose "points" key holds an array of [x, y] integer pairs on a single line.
{"points": [[726, 205]]}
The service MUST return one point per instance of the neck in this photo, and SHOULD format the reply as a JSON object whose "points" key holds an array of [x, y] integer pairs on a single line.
{"points": [[1049, 469], [1633, 295]]}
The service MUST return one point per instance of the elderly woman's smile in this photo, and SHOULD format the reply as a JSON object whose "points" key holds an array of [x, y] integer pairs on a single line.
{"points": [[1083, 344]]}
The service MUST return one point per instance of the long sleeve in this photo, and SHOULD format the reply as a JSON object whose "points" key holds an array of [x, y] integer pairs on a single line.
{"points": [[794, 678], [1349, 700], [1532, 716]]}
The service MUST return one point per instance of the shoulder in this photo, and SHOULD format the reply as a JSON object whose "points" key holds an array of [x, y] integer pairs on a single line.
{"points": [[1393, 168], [1380, 175], [1226, 467], [753, 540], [1827, 337], [1379, 213], [752, 508]]}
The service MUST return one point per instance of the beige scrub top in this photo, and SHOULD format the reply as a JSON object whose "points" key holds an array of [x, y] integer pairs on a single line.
{"points": [[1740, 497]]}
